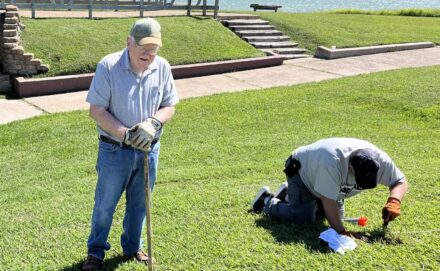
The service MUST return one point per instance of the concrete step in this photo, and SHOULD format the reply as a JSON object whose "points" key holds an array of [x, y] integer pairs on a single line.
{"points": [[271, 52], [289, 51], [281, 44], [242, 33], [237, 17], [252, 27], [265, 38], [244, 22], [295, 56]]}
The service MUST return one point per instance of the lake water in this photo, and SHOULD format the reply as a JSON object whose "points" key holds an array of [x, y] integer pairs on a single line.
{"points": [[320, 5]]}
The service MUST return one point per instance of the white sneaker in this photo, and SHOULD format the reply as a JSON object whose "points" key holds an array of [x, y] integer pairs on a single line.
{"points": [[281, 193], [258, 203]]}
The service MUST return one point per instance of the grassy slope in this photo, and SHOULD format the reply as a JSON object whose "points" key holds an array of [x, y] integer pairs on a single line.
{"points": [[72, 46], [217, 152], [353, 30]]}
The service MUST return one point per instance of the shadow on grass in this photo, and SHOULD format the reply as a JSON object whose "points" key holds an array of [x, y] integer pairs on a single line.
{"points": [[291, 233], [379, 236], [109, 264]]}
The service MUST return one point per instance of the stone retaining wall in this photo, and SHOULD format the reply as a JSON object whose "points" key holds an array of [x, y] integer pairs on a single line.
{"points": [[15, 61]]}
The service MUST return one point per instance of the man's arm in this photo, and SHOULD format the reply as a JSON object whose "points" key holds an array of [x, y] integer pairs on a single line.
{"points": [[391, 210], [399, 190], [331, 209], [165, 114], [107, 121]]}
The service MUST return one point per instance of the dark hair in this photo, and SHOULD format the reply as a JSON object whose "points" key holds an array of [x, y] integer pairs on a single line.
{"points": [[365, 165]]}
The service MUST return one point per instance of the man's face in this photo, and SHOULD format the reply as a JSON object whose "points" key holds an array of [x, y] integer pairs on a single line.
{"points": [[141, 56]]}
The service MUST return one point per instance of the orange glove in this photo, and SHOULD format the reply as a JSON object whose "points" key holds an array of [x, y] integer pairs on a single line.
{"points": [[391, 209]]}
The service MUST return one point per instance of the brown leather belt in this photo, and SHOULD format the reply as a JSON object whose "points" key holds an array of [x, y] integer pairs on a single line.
{"points": [[113, 142]]}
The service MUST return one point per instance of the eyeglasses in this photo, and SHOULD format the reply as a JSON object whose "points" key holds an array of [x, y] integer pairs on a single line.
{"points": [[144, 51]]}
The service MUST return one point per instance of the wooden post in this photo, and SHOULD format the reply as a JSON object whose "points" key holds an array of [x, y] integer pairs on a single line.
{"points": [[90, 9], [33, 9], [141, 9], [204, 8], [216, 8], [188, 12]]}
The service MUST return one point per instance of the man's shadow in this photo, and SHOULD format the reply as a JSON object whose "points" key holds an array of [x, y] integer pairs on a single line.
{"points": [[110, 264], [291, 233]]}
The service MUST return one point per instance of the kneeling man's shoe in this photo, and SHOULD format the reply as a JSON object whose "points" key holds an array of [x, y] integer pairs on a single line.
{"points": [[281, 193], [258, 203]]}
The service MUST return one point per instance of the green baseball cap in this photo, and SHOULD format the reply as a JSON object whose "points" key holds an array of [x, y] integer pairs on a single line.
{"points": [[146, 31]]}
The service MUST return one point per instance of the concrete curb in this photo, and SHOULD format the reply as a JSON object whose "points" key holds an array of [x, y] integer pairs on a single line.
{"points": [[62, 84], [333, 53]]}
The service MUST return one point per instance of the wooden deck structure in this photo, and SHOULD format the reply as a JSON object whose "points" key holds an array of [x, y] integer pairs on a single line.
{"points": [[91, 5]]}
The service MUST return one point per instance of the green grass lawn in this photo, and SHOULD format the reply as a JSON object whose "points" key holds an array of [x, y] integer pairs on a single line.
{"points": [[353, 30], [413, 12], [216, 153], [73, 46]]}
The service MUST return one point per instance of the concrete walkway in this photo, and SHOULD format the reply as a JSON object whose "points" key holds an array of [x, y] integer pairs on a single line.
{"points": [[290, 73]]}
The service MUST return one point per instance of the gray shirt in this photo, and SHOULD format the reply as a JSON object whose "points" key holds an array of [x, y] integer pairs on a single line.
{"points": [[129, 97], [325, 167]]}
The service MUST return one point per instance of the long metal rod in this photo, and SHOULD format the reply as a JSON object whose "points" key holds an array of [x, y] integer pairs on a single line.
{"points": [[148, 205]]}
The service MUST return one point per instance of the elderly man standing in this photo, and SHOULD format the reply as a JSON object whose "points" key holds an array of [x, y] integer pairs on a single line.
{"points": [[326, 172], [131, 97]]}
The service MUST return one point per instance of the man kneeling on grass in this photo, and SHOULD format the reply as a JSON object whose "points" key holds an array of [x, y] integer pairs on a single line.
{"points": [[321, 175]]}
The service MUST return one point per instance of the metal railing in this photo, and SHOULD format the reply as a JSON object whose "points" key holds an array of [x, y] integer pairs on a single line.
{"points": [[116, 5]]}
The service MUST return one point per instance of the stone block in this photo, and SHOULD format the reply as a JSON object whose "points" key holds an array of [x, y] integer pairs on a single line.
{"points": [[8, 57], [28, 56], [5, 87], [11, 20], [11, 8], [5, 83], [18, 58], [35, 62], [15, 39], [4, 77], [10, 33], [17, 50], [15, 67], [29, 69], [9, 45], [43, 68], [10, 26], [11, 14]]}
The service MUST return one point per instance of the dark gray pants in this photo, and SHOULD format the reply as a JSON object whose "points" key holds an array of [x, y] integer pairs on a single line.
{"points": [[302, 207]]}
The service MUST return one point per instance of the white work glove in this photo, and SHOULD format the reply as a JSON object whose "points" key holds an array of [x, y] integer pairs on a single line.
{"points": [[142, 134]]}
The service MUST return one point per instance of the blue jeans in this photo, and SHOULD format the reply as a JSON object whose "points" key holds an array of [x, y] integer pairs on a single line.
{"points": [[120, 169], [302, 207]]}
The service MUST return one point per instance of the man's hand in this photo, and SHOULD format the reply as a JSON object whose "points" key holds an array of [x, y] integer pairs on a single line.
{"points": [[142, 134], [353, 234], [128, 137], [391, 209]]}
